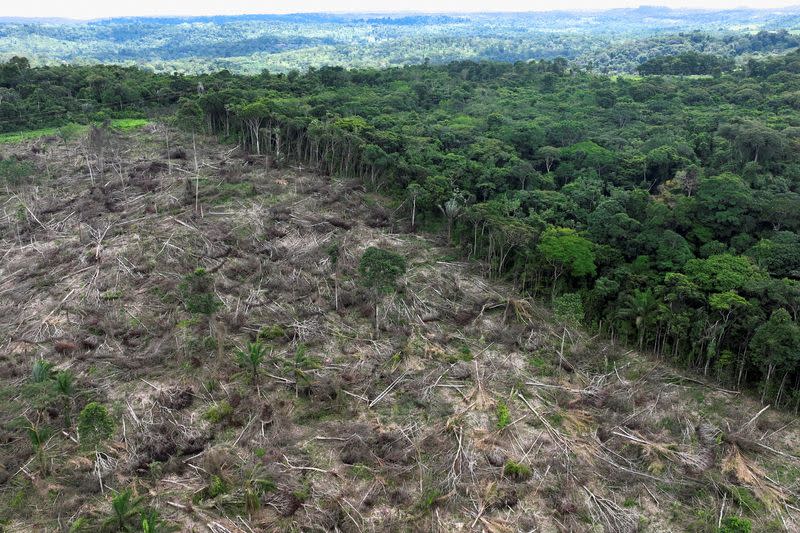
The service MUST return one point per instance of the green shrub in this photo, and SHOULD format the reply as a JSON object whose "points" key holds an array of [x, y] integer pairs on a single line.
{"points": [[218, 413], [94, 424], [197, 292], [111, 295], [271, 333], [264, 486], [303, 493], [252, 501], [745, 499], [361, 471], [503, 415], [429, 499], [217, 486], [379, 269], [14, 173], [517, 471], [569, 308], [67, 132], [464, 354], [556, 418], [734, 524]]}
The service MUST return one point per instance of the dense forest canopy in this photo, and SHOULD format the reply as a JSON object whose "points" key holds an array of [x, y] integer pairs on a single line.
{"points": [[661, 210], [607, 41]]}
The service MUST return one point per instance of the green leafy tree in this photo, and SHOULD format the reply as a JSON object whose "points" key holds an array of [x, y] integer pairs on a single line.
{"points": [[753, 140], [70, 131], [780, 254], [452, 209], [189, 115], [588, 154], [722, 272], [610, 224], [727, 304], [775, 347], [566, 251], [549, 155], [723, 204], [414, 191], [672, 251]]}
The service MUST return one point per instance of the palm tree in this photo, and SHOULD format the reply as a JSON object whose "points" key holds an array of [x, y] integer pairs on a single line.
{"points": [[65, 385], [300, 367], [639, 307], [38, 438], [451, 209], [251, 358], [41, 371], [152, 523], [125, 508]]}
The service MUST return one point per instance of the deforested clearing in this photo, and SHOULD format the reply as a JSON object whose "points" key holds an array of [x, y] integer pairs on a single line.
{"points": [[191, 340]]}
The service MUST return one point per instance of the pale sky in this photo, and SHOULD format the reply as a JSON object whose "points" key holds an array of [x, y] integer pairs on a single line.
{"points": [[87, 9]]}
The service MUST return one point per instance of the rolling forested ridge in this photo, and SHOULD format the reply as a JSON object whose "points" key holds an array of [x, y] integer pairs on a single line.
{"points": [[485, 272], [609, 41]]}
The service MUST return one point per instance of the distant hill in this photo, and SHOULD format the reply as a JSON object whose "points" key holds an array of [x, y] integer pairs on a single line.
{"points": [[617, 40], [38, 20]]}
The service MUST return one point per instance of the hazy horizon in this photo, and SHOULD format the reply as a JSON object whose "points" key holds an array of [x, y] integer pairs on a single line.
{"points": [[93, 9]]}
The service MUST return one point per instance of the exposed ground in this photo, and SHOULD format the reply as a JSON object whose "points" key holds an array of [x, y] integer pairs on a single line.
{"points": [[394, 431]]}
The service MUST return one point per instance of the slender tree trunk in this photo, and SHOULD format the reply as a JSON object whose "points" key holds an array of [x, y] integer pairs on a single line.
{"points": [[336, 292], [169, 156], [780, 389], [196, 175], [89, 165], [742, 361], [770, 368], [797, 396], [413, 213]]}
